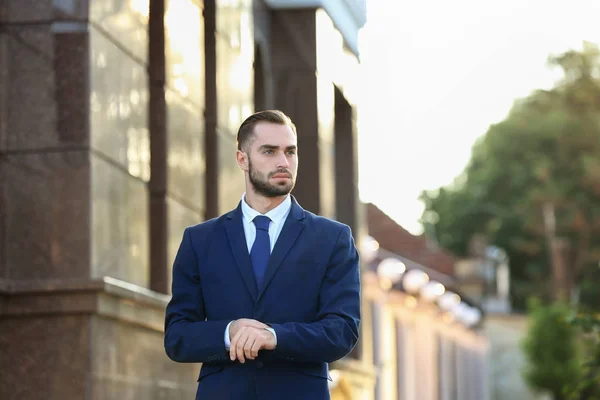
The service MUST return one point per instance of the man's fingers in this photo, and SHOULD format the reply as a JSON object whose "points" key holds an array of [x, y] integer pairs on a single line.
{"points": [[233, 350], [252, 342], [248, 342], [233, 345], [239, 348], [255, 348]]}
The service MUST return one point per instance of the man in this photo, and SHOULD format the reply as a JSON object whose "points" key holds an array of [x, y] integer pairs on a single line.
{"points": [[267, 294]]}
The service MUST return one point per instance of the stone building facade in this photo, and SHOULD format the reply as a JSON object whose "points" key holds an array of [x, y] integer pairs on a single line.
{"points": [[117, 130]]}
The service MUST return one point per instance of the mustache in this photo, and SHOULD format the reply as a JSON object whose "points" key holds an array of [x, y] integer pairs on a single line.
{"points": [[281, 171]]}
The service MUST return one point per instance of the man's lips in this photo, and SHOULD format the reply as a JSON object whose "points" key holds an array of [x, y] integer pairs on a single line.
{"points": [[281, 176]]}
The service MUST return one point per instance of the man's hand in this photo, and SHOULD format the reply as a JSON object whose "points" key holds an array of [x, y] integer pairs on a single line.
{"points": [[244, 323], [248, 341]]}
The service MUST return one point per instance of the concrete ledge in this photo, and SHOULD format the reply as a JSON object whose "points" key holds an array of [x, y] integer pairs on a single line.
{"points": [[100, 339], [106, 297]]}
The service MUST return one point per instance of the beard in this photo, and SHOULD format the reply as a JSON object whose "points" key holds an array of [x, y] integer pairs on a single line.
{"points": [[262, 186]]}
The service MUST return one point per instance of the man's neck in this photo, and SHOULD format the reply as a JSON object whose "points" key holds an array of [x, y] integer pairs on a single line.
{"points": [[263, 204]]}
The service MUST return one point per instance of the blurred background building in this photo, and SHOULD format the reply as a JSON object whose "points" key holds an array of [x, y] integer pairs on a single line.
{"points": [[425, 336], [117, 130]]}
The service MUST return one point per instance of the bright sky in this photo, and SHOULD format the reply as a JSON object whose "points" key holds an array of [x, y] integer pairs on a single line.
{"points": [[438, 73]]}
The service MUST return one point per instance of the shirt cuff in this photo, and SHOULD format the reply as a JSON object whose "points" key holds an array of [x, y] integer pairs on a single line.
{"points": [[274, 334], [227, 341]]}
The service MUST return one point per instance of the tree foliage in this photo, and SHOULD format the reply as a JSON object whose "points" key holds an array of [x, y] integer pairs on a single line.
{"points": [[546, 152], [588, 385], [551, 350], [562, 351]]}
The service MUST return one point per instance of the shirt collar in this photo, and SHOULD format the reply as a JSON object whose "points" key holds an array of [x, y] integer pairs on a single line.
{"points": [[276, 214]]}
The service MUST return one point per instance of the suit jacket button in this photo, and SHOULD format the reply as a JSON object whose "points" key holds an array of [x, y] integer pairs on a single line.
{"points": [[259, 364]]}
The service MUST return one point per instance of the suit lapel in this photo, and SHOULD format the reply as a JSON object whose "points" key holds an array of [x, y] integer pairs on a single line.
{"points": [[291, 229], [239, 248]]}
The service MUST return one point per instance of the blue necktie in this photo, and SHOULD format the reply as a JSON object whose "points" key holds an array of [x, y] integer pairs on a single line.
{"points": [[261, 249]]}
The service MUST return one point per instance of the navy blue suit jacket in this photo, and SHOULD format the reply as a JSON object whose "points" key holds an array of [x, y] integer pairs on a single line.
{"points": [[311, 298]]}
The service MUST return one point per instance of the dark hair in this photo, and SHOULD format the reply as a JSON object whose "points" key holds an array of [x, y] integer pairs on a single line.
{"points": [[246, 131]]}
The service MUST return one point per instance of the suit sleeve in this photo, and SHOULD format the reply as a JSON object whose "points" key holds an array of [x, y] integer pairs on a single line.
{"points": [[189, 337], [336, 330]]}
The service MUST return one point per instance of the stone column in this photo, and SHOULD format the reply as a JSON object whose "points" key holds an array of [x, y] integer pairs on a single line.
{"points": [[346, 163], [44, 196], [157, 126], [211, 144], [44, 144], [294, 67], [378, 348], [462, 372], [447, 381]]}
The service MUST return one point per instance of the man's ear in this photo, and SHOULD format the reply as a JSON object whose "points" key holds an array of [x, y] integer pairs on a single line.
{"points": [[242, 160]]}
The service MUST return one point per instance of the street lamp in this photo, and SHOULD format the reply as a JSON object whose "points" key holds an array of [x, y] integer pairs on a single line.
{"points": [[466, 314], [390, 272], [448, 301], [432, 290], [461, 311], [473, 316], [414, 280], [368, 249]]}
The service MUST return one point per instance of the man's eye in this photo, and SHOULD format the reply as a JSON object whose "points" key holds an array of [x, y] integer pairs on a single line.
{"points": [[292, 152], [268, 152]]}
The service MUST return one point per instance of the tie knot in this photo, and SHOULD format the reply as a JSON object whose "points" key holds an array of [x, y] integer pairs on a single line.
{"points": [[262, 222]]}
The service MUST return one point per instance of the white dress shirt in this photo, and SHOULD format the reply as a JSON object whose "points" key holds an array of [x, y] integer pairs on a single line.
{"points": [[278, 215]]}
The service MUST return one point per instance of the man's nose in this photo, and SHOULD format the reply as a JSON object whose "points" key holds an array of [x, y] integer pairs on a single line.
{"points": [[282, 161]]}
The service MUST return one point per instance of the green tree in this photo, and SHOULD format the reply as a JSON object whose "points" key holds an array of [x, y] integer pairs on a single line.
{"points": [[588, 386], [533, 179], [551, 350]]}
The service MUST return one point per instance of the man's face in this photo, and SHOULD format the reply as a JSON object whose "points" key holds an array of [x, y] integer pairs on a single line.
{"points": [[272, 159]]}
